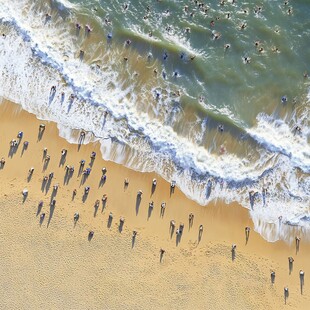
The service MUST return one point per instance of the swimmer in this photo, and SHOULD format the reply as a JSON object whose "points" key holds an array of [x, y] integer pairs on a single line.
{"points": [[260, 50], [88, 29], [216, 35], [284, 99], [297, 129], [243, 26], [275, 50], [107, 21], [246, 60], [226, 47]]}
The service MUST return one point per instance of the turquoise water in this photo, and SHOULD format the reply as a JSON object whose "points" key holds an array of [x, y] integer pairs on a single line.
{"points": [[196, 96]]}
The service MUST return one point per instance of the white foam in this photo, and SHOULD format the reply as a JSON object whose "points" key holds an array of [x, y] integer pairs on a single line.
{"points": [[277, 136]]}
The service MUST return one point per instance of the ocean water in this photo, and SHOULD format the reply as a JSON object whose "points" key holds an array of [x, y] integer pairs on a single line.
{"points": [[206, 95]]}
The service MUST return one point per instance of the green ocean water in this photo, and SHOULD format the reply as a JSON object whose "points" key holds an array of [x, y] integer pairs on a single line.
{"points": [[218, 76]]}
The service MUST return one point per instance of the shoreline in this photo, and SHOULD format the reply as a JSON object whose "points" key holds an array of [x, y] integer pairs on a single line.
{"points": [[223, 226]]}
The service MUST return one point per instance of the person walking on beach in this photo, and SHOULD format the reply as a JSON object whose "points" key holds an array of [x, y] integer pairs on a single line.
{"points": [[41, 127], [93, 155], [297, 241], [200, 232], [76, 216], [2, 162], [290, 264], [247, 234], [233, 251], [162, 252], [162, 209], [286, 293]]}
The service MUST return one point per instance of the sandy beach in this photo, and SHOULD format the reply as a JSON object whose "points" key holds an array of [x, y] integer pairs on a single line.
{"points": [[52, 262]]}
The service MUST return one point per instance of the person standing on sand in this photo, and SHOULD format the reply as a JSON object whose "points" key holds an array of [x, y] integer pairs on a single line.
{"points": [[76, 216], [297, 240], [247, 233], [2, 162], [290, 264], [162, 252], [191, 219], [41, 127]]}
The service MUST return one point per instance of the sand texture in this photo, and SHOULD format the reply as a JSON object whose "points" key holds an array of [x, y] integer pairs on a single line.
{"points": [[53, 264]]}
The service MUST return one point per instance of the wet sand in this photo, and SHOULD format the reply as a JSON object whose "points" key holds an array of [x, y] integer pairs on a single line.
{"points": [[54, 265]]}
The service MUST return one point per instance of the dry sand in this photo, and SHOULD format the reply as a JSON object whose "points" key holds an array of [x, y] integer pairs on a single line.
{"points": [[55, 266]]}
